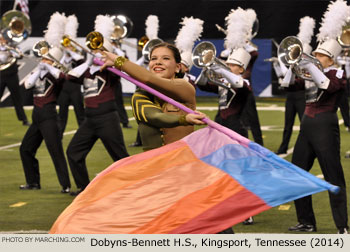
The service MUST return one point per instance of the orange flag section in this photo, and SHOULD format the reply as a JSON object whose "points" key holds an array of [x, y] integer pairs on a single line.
{"points": [[151, 192]]}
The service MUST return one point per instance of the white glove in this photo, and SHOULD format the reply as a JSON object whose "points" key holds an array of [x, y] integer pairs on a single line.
{"points": [[202, 79], [33, 77], [283, 67], [76, 56], [235, 80], [317, 75], [42, 66], [289, 78], [90, 58], [55, 72], [277, 68], [119, 51]]}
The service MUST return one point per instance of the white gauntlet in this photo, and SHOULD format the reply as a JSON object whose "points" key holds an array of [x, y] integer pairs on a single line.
{"points": [[318, 76], [33, 77], [55, 72], [289, 78], [235, 80], [202, 79]]}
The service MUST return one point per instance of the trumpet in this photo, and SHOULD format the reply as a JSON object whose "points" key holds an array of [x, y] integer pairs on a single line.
{"points": [[142, 42], [204, 56], [290, 52], [41, 48]]}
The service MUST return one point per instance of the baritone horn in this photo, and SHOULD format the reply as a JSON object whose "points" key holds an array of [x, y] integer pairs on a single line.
{"points": [[15, 26], [290, 52], [204, 56], [122, 27], [344, 41], [42, 48]]}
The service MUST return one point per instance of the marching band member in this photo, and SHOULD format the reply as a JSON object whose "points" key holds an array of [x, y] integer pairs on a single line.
{"points": [[295, 101], [235, 95], [46, 82], [188, 34], [319, 129], [71, 93], [250, 116], [9, 77], [101, 116]]}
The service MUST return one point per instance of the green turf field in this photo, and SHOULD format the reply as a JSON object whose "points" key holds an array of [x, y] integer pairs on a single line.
{"points": [[37, 210]]}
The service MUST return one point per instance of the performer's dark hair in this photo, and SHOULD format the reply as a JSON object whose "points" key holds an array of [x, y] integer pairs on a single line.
{"points": [[171, 47]]}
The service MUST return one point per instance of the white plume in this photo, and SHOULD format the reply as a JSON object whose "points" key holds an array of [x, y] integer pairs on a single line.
{"points": [[251, 17], [238, 28], [152, 27], [72, 25], [55, 29], [104, 25], [190, 31], [306, 29], [333, 20]]}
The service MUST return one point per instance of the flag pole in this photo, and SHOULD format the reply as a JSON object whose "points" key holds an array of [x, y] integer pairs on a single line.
{"points": [[235, 136]]}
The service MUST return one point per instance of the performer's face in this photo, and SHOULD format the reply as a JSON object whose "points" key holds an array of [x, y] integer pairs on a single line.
{"points": [[325, 60], [236, 69], [163, 63]]}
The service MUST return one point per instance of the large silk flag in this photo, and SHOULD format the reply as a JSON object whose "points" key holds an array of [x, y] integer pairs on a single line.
{"points": [[204, 183]]}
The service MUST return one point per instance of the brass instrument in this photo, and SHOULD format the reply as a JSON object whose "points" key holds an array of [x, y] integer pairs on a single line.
{"points": [[41, 48], [94, 41], [142, 42], [204, 56], [344, 41], [67, 41], [290, 52], [122, 27], [146, 50], [15, 26]]}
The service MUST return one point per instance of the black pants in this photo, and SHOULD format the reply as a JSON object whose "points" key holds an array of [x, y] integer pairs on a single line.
{"points": [[49, 131], [120, 104], [319, 138], [295, 104], [250, 119], [105, 127], [12, 83], [234, 123], [70, 94]]}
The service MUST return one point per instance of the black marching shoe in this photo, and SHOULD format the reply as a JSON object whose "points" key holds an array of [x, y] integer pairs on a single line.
{"points": [[77, 192], [65, 190], [249, 221], [280, 152], [300, 227], [127, 126], [343, 231], [25, 123], [30, 187]]}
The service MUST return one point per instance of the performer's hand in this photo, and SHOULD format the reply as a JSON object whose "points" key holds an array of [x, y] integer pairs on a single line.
{"points": [[195, 119], [108, 58]]}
